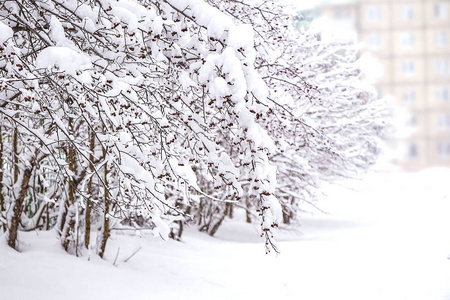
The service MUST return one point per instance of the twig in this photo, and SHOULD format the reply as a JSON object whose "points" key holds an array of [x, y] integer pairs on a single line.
{"points": [[115, 260], [129, 257]]}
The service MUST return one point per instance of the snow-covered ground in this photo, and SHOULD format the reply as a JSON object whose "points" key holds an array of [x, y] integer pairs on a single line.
{"points": [[387, 237]]}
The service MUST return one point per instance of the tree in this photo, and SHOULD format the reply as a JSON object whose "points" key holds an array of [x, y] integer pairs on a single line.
{"points": [[166, 111], [157, 84], [326, 121]]}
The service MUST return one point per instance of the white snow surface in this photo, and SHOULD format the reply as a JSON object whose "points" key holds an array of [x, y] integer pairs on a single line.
{"points": [[386, 237], [66, 59], [5, 33]]}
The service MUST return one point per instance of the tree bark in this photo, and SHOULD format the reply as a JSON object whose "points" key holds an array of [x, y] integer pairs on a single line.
{"points": [[106, 232], [15, 155], [248, 216], [70, 213], [219, 222], [2, 198], [14, 222], [230, 208], [17, 209], [87, 217]]}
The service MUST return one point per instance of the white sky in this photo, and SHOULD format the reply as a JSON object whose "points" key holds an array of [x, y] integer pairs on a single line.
{"points": [[307, 4], [302, 4]]}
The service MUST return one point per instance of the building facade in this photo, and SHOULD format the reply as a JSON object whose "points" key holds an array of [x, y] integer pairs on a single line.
{"points": [[411, 39]]}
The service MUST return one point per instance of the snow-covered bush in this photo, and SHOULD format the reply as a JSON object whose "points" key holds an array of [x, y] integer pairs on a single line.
{"points": [[164, 111], [325, 120]]}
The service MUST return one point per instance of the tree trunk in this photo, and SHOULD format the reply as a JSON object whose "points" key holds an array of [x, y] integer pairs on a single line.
{"points": [[69, 213], [15, 155], [2, 198], [230, 209], [69, 228], [180, 229], [14, 221], [286, 218], [218, 223], [17, 209], [69, 218], [248, 216], [87, 218], [106, 233]]}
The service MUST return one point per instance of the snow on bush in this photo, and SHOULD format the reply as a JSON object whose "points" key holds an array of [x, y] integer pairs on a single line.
{"points": [[161, 113]]}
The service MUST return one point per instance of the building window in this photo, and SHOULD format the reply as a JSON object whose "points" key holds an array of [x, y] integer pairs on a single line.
{"points": [[443, 93], [409, 95], [444, 121], [373, 14], [412, 151], [407, 39], [444, 149], [374, 41], [407, 12], [342, 13], [442, 66], [408, 67], [441, 38], [412, 122], [441, 11]]}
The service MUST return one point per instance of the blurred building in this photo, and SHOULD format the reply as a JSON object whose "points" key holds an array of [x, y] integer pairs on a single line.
{"points": [[411, 39]]}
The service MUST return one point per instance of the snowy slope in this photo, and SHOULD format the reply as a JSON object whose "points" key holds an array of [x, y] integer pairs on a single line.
{"points": [[386, 238]]}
